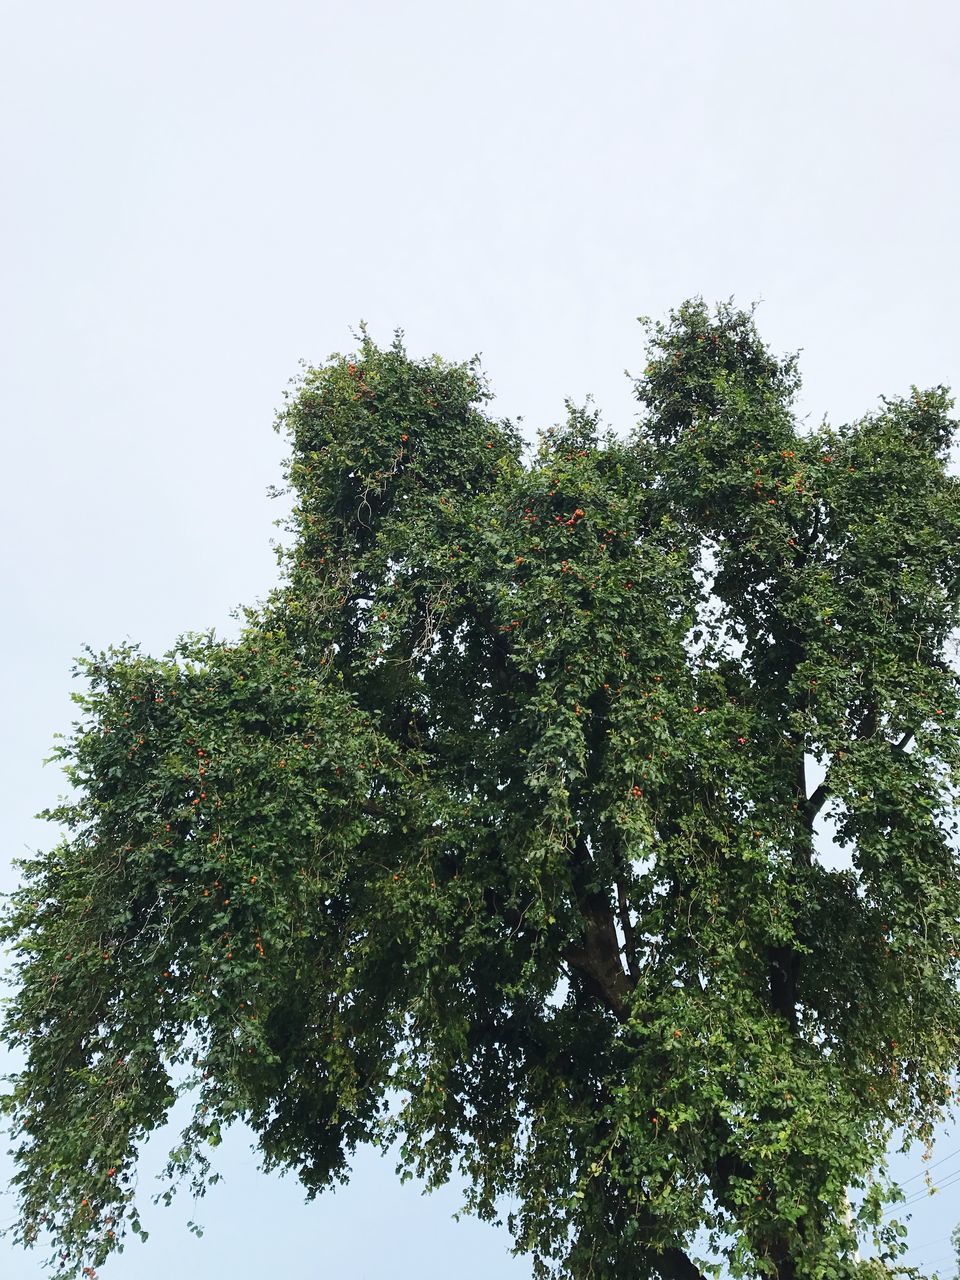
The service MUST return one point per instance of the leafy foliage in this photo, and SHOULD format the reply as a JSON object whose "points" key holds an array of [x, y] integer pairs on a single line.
{"points": [[492, 833]]}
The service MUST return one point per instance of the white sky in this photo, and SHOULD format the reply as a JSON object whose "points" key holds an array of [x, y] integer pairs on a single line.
{"points": [[199, 193]]}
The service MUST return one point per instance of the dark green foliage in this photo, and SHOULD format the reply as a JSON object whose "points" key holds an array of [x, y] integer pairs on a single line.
{"points": [[492, 832]]}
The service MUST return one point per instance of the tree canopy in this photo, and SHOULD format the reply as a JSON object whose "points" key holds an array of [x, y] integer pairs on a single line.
{"points": [[494, 834]]}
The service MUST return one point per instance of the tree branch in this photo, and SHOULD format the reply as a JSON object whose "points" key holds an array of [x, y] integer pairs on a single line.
{"points": [[673, 1264], [824, 792], [597, 959], [816, 801], [626, 924]]}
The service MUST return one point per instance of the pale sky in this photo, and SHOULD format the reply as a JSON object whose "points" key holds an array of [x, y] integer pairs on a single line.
{"points": [[199, 193]]}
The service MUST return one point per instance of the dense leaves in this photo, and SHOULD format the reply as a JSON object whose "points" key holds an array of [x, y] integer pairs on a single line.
{"points": [[496, 835]]}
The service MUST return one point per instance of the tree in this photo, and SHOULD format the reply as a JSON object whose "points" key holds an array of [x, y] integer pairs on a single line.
{"points": [[492, 833]]}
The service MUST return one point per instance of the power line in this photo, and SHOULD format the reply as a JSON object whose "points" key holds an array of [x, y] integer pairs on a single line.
{"points": [[953, 1179], [943, 1160], [928, 1244]]}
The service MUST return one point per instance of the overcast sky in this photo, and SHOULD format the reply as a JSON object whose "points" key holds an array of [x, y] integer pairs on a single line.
{"points": [[199, 193]]}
